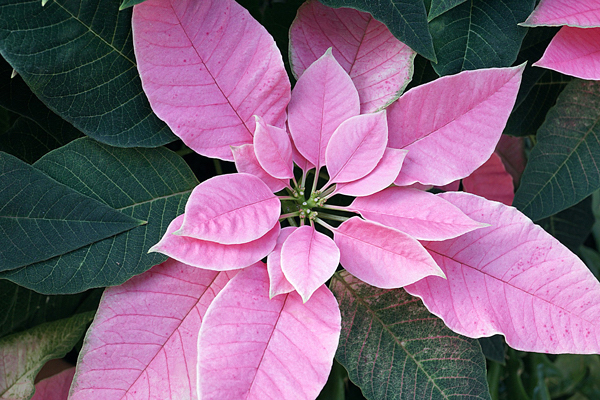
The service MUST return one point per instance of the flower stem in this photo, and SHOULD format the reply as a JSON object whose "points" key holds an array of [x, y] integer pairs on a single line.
{"points": [[218, 168], [289, 215], [325, 224], [315, 180], [333, 207], [333, 217], [287, 198]]}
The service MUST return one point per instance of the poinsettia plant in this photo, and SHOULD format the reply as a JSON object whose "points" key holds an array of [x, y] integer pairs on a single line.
{"points": [[362, 230]]}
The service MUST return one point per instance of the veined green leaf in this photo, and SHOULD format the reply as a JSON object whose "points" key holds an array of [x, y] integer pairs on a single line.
{"points": [[563, 167], [406, 19], [393, 348], [572, 225], [23, 354], [479, 34], [77, 57], [438, 7], [146, 184], [129, 3], [41, 218]]}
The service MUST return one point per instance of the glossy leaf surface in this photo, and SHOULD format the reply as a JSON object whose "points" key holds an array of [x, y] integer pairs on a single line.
{"points": [[278, 348], [513, 278], [407, 20], [146, 184], [84, 70], [24, 353], [379, 64], [41, 218], [565, 155], [393, 348], [479, 34], [149, 328], [189, 56]]}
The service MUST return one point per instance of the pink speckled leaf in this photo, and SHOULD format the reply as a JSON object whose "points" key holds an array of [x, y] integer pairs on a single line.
{"points": [[381, 177], [269, 349], [273, 150], [246, 162], [278, 283], [420, 214], [230, 209], [491, 181], [189, 55], [382, 256], [574, 51], [356, 147], [447, 135], [214, 256], [55, 387], [515, 279], [143, 341], [379, 64], [565, 12], [308, 259], [322, 99]]}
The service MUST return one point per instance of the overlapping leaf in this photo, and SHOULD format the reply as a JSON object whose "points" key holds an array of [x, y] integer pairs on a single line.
{"points": [[438, 7], [393, 348], [41, 218], [571, 226], [55, 387], [563, 166], [23, 354], [406, 19], [146, 184], [79, 61], [479, 34]]}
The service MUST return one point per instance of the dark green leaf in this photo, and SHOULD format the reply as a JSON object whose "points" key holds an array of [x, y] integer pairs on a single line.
{"points": [[527, 117], [147, 184], [334, 388], [406, 19], [38, 130], [23, 308], [479, 34], [393, 348], [41, 218], [438, 7], [493, 348], [571, 226], [29, 350], [563, 167], [77, 57], [129, 3], [592, 259]]}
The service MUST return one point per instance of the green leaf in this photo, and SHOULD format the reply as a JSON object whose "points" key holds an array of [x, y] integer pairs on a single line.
{"points": [[129, 3], [493, 348], [77, 57], [23, 308], [571, 226], [393, 348], [41, 218], [25, 353], [479, 34], [406, 19], [438, 7], [38, 130], [563, 166], [147, 184]]}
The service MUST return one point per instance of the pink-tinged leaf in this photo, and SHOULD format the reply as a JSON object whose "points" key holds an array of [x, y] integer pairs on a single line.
{"points": [[143, 341], [382, 256], [308, 259], [278, 283], [322, 99], [273, 150], [422, 215], [575, 52], [511, 150], [451, 187], [55, 387], [246, 162], [189, 56], [491, 181], [214, 256], [255, 348], [356, 147], [299, 159], [381, 177], [379, 64], [230, 209], [515, 279], [565, 12], [447, 135]]}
